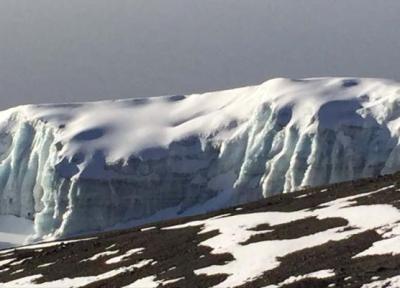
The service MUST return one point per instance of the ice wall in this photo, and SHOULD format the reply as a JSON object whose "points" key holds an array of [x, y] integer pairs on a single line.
{"points": [[87, 167]]}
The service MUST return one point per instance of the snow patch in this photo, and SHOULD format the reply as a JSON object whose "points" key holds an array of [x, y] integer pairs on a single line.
{"points": [[46, 265], [148, 282], [99, 255], [263, 256], [127, 254], [389, 283], [389, 245]]}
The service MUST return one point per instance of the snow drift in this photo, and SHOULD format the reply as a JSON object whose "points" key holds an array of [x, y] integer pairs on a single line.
{"points": [[83, 167]]}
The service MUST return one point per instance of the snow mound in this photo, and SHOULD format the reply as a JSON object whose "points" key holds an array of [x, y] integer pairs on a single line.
{"points": [[75, 168]]}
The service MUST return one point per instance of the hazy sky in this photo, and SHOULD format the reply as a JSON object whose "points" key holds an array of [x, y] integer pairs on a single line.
{"points": [[76, 50]]}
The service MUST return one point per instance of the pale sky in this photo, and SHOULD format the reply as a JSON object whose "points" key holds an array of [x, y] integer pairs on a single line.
{"points": [[78, 50]]}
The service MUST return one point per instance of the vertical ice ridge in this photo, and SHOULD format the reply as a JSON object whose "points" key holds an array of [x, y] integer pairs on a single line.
{"points": [[309, 175], [274, 182], [14, 167], [259, 143], [298, 163], [392, 163]]}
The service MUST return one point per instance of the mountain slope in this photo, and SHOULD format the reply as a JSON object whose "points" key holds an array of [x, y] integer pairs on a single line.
{"points": [[338, 235], [76, 168]]}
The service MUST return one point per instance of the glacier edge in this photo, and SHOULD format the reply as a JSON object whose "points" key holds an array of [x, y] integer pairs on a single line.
{"points": [[249, 143]]}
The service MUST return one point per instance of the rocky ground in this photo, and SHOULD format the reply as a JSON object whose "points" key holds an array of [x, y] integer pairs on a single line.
{"points": [[341, 235]]}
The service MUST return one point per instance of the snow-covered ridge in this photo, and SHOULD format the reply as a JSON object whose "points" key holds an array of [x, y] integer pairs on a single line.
{"points": [[89, 166]]}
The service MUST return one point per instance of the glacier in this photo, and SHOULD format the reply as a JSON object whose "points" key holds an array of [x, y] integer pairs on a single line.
{"points": [[83, 167]]}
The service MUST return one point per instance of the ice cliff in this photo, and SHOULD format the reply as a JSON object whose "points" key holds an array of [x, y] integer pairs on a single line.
{"points": [[84, 167]]}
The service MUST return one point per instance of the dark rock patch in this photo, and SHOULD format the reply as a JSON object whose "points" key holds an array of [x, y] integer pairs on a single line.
{"points": [[297, 229]]}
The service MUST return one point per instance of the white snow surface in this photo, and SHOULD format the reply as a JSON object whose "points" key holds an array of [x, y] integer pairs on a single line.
{"points": [[126, 255], [14, 230], [259, 257], [393, 282], [389, 245], [100, 255], [148, 282], [82, 167]]}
